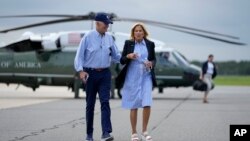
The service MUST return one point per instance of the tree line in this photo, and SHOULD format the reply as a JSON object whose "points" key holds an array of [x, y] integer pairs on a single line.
{"points": [[230, 67]]}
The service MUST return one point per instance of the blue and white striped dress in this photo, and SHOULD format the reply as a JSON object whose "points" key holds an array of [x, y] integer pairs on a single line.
{"points": [[137, 88]]}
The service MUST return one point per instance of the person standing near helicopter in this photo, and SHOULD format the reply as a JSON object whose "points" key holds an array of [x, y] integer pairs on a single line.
{"points": [[209, 72], [137, 78], [92, 61]]}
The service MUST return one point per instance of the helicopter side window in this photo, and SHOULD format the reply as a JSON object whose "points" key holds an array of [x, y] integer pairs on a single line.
{"points": [[166, 59]]}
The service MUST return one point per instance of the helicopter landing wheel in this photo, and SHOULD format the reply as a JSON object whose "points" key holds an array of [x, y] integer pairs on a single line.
{"points": [[160, 90], [76, 88]]}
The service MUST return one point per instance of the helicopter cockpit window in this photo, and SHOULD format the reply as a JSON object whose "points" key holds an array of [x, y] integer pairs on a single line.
{"points": [[180, 58], [167, 59]]}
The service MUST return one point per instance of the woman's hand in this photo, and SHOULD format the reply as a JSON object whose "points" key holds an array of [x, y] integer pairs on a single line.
{"points": [[201, 77], [132, 56], [148, 64]]}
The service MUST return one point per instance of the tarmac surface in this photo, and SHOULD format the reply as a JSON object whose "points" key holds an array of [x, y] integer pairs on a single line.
{"points": [[52, 114]]}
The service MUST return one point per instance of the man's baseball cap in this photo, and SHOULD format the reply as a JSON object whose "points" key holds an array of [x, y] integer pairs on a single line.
{"points": [[103, 17]]}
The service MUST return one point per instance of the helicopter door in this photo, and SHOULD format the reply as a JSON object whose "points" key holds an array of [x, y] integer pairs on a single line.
{"points": [[168, 70], [6, 66]]}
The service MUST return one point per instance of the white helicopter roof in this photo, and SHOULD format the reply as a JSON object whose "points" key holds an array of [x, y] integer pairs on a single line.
{"points": [[69, 40]]}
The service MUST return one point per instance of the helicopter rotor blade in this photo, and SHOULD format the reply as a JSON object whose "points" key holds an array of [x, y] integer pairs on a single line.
{"points": [[204, 36], [71, 19], [34, 16], [173, 25], [39, 24], [115, 18], [91, 15]]}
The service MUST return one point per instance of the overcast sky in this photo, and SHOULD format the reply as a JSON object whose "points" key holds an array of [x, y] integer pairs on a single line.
{"points": [[223, 16]]}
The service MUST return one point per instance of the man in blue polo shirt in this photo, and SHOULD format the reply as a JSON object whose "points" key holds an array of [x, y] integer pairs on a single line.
{"points": [[92, 61]]}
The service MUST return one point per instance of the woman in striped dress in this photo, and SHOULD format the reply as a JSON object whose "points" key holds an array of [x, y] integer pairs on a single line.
{"points": [[138, 78]]}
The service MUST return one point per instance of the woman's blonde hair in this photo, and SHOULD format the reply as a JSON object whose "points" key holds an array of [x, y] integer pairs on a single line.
{"points": [[132, 36]]}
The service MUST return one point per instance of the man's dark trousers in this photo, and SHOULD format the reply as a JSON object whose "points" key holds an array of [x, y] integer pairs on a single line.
{"points": [[98, 82]]}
